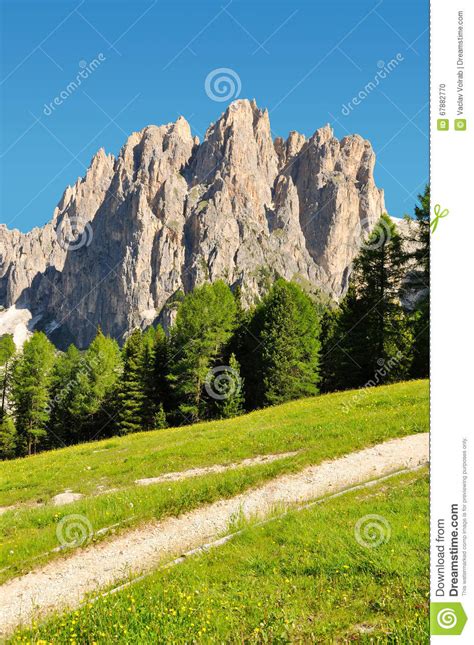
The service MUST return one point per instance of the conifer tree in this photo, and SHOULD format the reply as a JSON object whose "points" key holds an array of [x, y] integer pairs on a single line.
{"points": [[288, 344], [8, 437], [7, 353], [99, 376], [421, 340], [421, 278], [329, 327], [147, 373], [84, 385], [131, 395], [31, 381], [161, 384], [204, 323], [373, 339], [246, 344], [224, 386], [68, 399], [153, 374], [421, 238]]}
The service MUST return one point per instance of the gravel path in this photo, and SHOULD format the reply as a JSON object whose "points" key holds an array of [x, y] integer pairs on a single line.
{"points": [[69, 496], [63, 583], [198, 472]]}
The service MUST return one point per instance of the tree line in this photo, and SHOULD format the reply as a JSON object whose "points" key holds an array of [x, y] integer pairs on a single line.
{"points": [[219, 360]]}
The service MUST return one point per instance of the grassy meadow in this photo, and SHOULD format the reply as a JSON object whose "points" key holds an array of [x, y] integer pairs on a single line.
{"points": [[302, 578], [319, 428]]}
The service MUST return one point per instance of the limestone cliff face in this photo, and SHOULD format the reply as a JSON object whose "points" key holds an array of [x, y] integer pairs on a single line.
{"points": [[170, 213], [24, 257]]}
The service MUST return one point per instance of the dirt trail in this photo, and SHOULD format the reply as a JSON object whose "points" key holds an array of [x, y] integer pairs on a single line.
{"points": [[198, 472], [63, 583], [68, 496]]}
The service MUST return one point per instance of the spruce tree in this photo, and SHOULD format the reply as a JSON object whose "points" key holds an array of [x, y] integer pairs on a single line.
{"points": [[31, 381], [329, 327], [158, 386], [421, 253], [147, 377], [131, 396], [152, 377], [373, 340], [289, 345], [421, 279], [204, 324], [245, 344], [224, 386], [68, 400]]}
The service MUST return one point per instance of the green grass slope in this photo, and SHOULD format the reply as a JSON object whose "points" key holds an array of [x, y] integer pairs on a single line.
{"points": [[320, 428], [304, 578]]}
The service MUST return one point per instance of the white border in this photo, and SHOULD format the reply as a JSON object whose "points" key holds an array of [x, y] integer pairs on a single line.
{"points": [[452, 312]]}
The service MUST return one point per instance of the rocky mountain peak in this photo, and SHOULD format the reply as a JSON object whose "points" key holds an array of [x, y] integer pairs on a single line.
{"points": [[170, 213], [238, 143], [287, 149]]}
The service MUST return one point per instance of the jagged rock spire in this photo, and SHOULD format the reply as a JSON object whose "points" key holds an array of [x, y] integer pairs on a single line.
{"points": [[169, 213]]}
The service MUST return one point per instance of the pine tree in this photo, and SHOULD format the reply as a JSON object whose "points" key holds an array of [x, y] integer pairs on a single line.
{"points": [[289, 346], [204, 323], [373, 339], [31, 381], [7, 353]]}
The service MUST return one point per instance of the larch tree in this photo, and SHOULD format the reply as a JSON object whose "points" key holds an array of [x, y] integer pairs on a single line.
{"points": [[30, 391], [204, 323], [7, 353], [99, 377], [288, 344]]}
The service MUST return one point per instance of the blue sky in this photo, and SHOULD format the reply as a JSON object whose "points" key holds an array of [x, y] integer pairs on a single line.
{"points": [[303, 60]]}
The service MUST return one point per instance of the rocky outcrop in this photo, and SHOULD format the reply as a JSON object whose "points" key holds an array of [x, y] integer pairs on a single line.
{"points": [[26, 256], [170, 213]]}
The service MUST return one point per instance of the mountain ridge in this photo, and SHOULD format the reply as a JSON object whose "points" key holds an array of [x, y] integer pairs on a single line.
{"points": [[170, 212]]}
